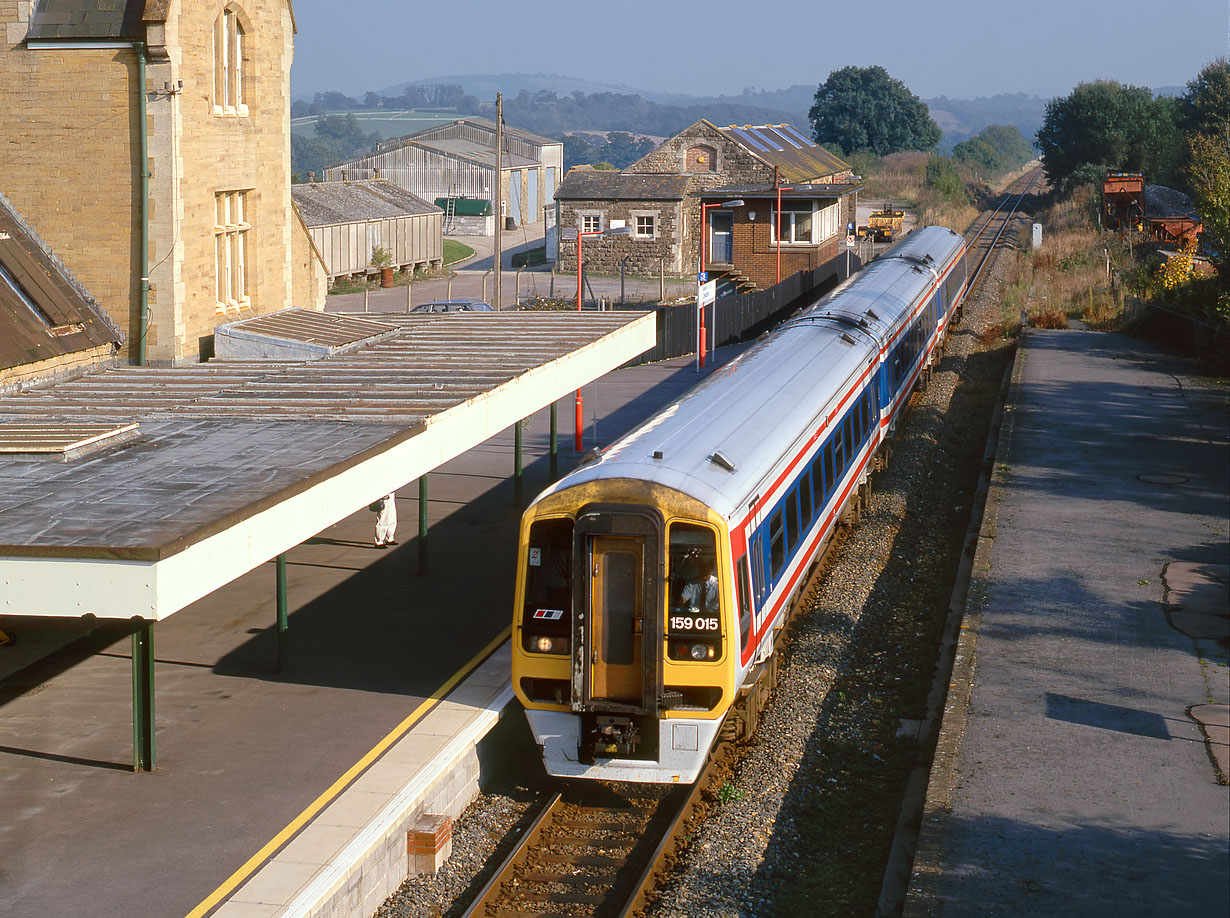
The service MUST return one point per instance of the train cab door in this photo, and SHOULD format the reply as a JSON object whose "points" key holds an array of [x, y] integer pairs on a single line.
{"points": [[618, 618], [617, 636]]}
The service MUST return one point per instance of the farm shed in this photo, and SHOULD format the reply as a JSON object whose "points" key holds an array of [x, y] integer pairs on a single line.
{"points": [[457, 160], [348, 219]]}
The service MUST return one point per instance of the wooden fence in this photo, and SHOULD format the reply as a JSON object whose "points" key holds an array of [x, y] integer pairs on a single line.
{"points": [[741, 316]]}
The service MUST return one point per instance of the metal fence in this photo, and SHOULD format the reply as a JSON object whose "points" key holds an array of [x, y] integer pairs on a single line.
{"points": [[742, 316]]}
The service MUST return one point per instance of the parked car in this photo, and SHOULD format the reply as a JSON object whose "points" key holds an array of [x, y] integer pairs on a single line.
{"points": [[454, 306]]}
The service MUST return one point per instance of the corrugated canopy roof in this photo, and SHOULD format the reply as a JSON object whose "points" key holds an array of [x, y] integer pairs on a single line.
{"points": [[327, 203], [44, 311], [605, 185], [797, 157]]}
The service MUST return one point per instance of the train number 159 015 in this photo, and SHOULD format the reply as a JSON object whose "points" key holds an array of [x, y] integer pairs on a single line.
{"points": [[688, 623]]}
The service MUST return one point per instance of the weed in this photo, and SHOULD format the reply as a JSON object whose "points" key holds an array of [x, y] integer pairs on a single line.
{"points": [[728, 793]]}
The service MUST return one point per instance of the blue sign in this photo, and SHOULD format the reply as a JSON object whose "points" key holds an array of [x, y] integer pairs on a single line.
{"points": [[702, 277], [849, 228]]}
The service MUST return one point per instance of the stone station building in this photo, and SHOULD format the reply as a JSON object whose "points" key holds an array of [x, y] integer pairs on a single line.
{"points": [[715, 164], [148, 143]]}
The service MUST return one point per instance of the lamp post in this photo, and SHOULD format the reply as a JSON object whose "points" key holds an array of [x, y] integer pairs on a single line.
{"points": [[777, 227], [700, 312], [570, 233]]}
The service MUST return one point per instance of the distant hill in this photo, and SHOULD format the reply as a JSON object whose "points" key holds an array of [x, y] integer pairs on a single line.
{"points": [[961, 119]]}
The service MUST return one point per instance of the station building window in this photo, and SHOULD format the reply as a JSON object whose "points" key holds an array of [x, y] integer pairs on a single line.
{"points": [[229, 46], [231, 248]]}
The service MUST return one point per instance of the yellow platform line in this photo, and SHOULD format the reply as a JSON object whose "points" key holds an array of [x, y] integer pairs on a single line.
{"points": [[235, 879]]}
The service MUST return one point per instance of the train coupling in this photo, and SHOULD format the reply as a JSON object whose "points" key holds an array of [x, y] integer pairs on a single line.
{"points": [[614, 735]]}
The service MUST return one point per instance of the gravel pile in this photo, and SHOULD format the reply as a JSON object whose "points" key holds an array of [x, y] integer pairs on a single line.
{"points": [[804, 824]]}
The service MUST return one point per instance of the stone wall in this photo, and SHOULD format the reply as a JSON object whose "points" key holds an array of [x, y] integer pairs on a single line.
{"points": [[69, 130], [70, 118], [603, 254]]}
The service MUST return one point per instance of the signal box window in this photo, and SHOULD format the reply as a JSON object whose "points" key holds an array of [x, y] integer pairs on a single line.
{"points": [[546, 616], [644, 226], [694, 610], [794, 222], [591, 223]]}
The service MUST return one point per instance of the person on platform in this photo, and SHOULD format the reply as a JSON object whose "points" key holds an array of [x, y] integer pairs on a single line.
{"points": [[386, 520]]}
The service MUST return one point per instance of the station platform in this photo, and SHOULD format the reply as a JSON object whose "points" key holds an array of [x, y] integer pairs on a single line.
{"points": [[1086, 730], [274, 793]]}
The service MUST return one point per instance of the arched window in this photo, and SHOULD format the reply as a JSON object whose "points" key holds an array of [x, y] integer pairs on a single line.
{"points": [[228, 64], [700, 158]]}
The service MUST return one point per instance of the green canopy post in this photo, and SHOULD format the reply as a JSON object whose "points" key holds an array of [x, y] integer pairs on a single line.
{"points": [[142, 695]]}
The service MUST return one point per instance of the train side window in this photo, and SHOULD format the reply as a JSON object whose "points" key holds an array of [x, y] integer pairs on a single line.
{"points": [[850, 441], [806, 506], [830, 476], [777, 545], [817, 477], [792, 522], [546, 615], [856, 414], [743, 589]]}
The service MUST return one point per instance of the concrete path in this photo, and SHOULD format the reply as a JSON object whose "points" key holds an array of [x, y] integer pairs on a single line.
{"points": [[1074, 776]]}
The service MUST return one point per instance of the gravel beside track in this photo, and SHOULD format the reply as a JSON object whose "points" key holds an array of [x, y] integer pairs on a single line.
{"points": [[804, 824]]}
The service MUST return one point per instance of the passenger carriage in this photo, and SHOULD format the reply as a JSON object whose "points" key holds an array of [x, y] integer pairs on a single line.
{"points": [[654, 580]]}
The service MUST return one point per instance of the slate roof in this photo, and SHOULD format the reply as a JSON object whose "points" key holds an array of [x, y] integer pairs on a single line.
{"points": [[818, 190], [604, 185], [795, 155], [44, 311], [330, 203], [88, 20]]}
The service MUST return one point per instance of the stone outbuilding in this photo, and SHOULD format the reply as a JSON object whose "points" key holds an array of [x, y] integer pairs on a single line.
{"points": [[720, 165], [458, 160], [347, 220], [652, 206], [148, 142]]}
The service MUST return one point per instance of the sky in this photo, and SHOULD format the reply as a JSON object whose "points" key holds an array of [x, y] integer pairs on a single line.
{"points": [[957, 48]]}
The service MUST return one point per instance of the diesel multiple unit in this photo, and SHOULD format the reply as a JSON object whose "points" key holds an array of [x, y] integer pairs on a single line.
{"points": [[653, 581]]}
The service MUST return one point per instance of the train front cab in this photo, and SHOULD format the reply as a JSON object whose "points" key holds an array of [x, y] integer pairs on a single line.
{"points": [[624, 651]]}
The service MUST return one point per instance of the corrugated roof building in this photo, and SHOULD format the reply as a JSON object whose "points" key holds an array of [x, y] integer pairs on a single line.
{"points": [[457, 160], [347, 220]]}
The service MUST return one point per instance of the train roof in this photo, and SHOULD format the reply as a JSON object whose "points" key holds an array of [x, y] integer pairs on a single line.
{"points": [[724, 440]]}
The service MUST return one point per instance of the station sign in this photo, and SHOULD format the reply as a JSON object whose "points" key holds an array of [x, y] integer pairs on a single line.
{"points": [[706, 294]]}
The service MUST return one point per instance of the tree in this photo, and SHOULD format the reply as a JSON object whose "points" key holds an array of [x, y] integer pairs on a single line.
{"points": [[1210, 180], [1106, 125], [997, 148], [861, 109], [1205, 107]]}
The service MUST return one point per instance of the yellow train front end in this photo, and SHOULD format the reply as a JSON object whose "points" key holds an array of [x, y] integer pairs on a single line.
{"points": [[625, 642]]}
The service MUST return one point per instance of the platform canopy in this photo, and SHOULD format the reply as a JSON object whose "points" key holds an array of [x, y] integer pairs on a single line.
{"points": [[234, 462]]}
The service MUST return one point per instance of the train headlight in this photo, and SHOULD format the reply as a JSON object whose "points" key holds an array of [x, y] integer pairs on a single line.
{"points": [[701, 652], [545, 643]]}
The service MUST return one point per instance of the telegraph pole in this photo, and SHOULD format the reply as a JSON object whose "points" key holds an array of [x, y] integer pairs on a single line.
{"points": [[499, 195]]}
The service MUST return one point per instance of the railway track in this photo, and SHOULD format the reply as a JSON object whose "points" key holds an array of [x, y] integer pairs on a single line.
{"points": [[593, 850], [983, 238], [599, 849]]}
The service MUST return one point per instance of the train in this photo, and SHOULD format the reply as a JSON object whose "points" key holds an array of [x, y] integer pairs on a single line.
{"points": [[654, 580]]}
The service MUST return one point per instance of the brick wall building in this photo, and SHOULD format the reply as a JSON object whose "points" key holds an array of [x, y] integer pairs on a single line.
{"points": [[718, 165], [224, 240]]}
